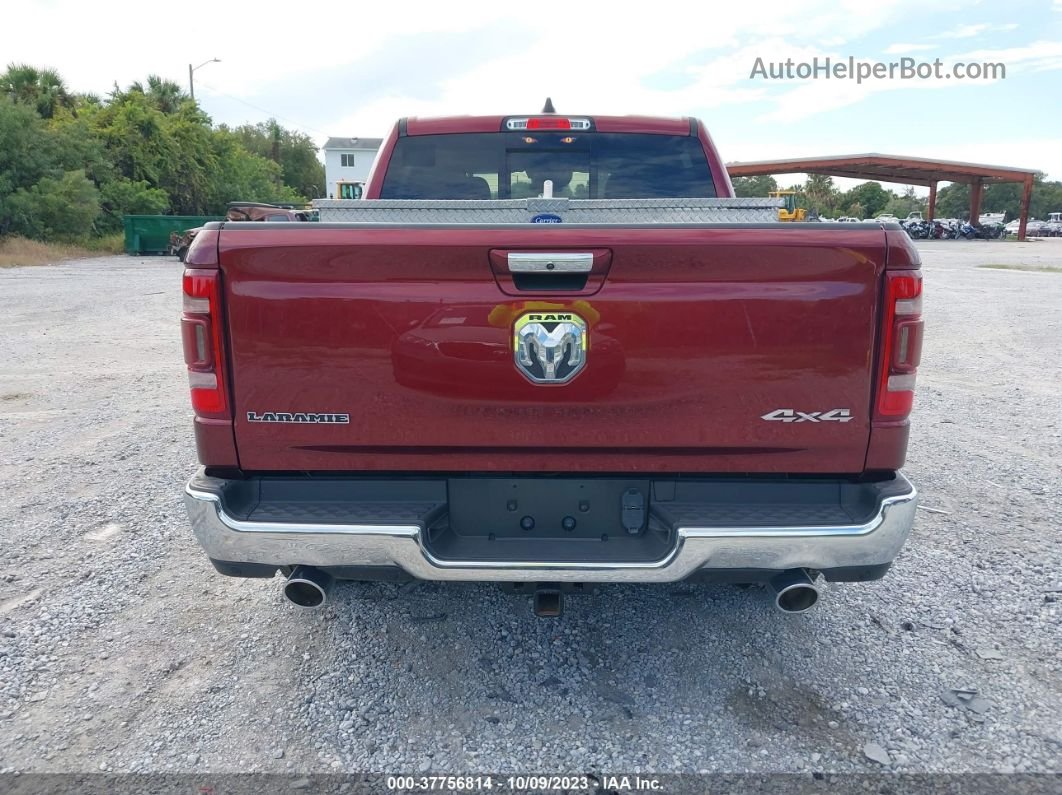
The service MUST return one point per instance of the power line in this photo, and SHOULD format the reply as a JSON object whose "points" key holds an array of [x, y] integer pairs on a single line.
{"points": [[269, 113]]}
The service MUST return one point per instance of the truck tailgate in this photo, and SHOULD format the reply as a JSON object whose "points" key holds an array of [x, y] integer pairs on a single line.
{"points": [[716, 349]]}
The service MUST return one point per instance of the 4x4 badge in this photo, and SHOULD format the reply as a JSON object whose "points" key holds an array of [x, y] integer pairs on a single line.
{"points": [[791, 415]]}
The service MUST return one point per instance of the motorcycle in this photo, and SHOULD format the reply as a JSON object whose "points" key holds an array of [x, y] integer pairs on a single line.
{"points": [[924, 230], [952, 230], [986, 232], [949, 230], [916, 230]]}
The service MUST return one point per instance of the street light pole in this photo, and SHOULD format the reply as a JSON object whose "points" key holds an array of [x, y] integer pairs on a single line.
{"points": [[191, 72]]}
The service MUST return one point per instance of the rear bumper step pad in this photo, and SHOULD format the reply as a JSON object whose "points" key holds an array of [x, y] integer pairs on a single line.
{"points": [[475, 529]]}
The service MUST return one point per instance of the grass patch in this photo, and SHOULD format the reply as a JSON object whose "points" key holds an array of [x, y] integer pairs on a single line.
{"points": [[1020, 267], [18, 251], [110, 244]]}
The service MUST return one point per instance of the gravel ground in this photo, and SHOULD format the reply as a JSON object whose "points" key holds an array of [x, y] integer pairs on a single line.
{"points": [[122, 650]]}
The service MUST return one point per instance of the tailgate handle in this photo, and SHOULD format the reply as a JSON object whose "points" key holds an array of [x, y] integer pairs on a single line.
{"points": [[545, 263]]}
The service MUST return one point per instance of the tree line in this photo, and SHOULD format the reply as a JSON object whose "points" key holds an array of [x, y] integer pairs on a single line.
{"points": [[72, 164], [869, 199]]}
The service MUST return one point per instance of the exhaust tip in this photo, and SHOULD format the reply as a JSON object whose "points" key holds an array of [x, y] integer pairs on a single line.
{"points": [[794, 591], [308, 587], [797, 598]]}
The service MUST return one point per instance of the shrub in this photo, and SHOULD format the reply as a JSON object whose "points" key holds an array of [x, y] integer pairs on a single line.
{"points": [[129, 197], [56, 209]]}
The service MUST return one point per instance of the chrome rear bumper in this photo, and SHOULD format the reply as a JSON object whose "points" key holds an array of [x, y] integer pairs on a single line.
{"points": [[869, 543]]}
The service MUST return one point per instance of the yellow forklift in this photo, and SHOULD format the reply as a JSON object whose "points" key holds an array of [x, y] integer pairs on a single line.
{"points": [[788, 212], [349, 190]]}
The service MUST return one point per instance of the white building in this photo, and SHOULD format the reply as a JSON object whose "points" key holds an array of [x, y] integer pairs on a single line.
{"points": [[348, 160]]}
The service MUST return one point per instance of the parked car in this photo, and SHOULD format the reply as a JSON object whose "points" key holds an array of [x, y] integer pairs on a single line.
{"points": [[552, 402], [1053, 226], [1035, 227]]}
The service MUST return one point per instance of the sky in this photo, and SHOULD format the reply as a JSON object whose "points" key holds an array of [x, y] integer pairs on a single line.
{"points": [[352, 69]]}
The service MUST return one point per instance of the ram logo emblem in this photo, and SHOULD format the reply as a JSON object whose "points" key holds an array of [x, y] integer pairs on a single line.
{"points": [[550, 347]]}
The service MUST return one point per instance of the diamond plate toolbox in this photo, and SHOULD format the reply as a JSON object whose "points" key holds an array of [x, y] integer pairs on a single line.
{"points": [[620, 212]]}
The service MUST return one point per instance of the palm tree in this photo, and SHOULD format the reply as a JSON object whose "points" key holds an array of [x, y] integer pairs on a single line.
{"points": [[166, 94], [44, 89], [52, 93], [820, 192]]}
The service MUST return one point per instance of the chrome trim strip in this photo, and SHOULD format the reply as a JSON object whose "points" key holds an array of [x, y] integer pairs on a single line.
{"points": [[875, 542], [561, 262]]}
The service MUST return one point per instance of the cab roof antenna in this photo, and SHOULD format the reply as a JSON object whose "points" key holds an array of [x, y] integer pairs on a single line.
{"points": [[548, 107]]}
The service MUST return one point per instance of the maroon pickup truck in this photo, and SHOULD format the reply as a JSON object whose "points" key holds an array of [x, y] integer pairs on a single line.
{"points": [[551, 352]]}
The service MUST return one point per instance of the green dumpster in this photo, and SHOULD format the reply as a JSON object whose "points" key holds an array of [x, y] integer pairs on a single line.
{"points": [[150, 234]]}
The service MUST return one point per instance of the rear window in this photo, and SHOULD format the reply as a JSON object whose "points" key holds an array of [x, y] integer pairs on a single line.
{"points": [[586, 165]]}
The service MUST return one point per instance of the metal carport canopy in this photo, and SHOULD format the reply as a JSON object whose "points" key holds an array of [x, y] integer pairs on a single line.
{"points": [[906, 170]]}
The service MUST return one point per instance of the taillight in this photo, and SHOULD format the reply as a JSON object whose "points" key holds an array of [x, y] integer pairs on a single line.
{"points": [[548, 123], [201, 336], [902, 344]]}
